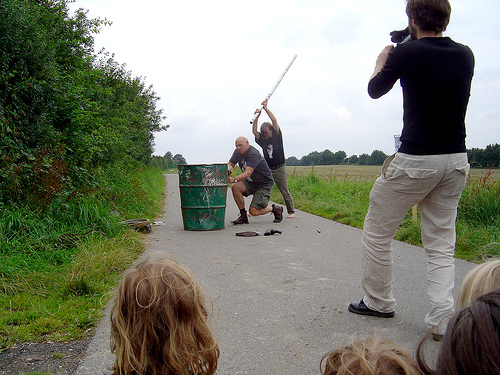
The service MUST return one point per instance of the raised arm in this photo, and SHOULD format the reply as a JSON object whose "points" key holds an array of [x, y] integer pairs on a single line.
{"points": [[272, 117], [381, 59], [255, 129], [382, 79]]}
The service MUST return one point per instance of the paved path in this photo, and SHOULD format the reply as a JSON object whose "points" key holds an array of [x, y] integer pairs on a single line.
{"points": [[280, 302]]}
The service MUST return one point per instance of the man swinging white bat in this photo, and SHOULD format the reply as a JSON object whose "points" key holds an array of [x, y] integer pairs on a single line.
{"points": [[270, 139]]}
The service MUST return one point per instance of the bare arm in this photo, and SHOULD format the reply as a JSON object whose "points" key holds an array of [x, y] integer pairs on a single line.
{"points": [[381, 59], [243, 176], [255, 123], [271, 116]]}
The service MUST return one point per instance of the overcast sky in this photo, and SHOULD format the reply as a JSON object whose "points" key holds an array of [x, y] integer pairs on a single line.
{"points": [[213, 62]]}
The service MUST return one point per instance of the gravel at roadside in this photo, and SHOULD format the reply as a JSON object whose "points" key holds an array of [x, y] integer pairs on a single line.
{"points": [[60, 358]]}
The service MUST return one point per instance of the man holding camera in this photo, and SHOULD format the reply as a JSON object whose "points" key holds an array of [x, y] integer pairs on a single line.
{"points": [[430, 168]]}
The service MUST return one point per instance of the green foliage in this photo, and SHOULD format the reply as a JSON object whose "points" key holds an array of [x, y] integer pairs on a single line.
{"points": [[480, 202], [487, 158], [478, 158], [57, 265], [346, 199], [64, 112], [327, 157], [338, 198], [168, 161], [478, 224], [76, 135], [377, 157], [39, 47]]}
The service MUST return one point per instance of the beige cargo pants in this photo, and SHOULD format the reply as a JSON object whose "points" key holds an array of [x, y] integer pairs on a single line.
{"points": [[435, 183]]}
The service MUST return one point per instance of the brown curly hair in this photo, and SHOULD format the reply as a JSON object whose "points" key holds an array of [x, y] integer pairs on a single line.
{"points": [[159, 323]]}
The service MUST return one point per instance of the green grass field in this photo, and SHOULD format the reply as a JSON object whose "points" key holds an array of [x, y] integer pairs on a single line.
{"points": [[341, 193], [365, 171]]}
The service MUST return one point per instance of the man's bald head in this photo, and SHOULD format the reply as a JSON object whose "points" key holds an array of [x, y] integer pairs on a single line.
{"points": [[242, 145]]}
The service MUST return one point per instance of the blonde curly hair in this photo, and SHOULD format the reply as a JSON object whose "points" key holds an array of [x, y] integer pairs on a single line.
{"points": [[482, 279], [371, 355]]}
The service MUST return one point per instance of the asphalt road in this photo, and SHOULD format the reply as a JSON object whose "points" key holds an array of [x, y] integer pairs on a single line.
{"points": [[280, 302]]}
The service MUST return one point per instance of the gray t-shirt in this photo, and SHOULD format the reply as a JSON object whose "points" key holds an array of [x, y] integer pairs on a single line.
{"points": [[262, 175]]}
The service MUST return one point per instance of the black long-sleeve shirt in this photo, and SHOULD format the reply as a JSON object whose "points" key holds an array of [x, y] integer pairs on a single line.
{"points": [[436, 76]]}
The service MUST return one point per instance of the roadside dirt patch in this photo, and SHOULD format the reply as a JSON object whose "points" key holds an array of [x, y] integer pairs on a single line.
{"points": [[61, 358]]}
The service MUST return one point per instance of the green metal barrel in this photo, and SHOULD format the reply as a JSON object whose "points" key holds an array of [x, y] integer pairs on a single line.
{"points": [[203, 195]]}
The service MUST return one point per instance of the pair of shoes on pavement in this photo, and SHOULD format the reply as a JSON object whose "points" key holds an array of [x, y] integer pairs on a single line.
{"points": [[361, 309], [278, 213]]}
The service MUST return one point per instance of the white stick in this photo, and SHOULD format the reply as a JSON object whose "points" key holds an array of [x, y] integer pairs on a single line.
{"points": [[274, 88]]}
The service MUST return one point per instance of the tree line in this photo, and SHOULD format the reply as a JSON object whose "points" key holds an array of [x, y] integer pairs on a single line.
{"points": [[487, 158], [328, 157], [67, 113], [478, 158], [168, 161]]}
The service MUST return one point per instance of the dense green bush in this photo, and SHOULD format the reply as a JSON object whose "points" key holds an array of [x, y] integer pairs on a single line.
{"points": [[58, 264], [76, 138], [64, 111]]}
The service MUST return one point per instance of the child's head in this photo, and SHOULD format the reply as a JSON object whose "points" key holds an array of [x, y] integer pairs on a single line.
{"points": [[371, 355], [481, 280], [159, 323], [472, 341]]}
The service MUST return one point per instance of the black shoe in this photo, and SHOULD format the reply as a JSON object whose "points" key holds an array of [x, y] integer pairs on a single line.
{"points": [[360, 308], [278, 214], [241, 220], [271, 232]]}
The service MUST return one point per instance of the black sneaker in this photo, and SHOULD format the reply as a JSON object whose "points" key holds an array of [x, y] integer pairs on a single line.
{"points": [[362, 309], [241, 220], [271, 232], [278, 214]]}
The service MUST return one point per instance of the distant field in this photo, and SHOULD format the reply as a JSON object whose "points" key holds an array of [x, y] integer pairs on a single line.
{"points": [[364, 171], [341, 193]]}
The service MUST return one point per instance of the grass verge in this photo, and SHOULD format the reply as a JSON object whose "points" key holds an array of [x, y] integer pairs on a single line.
{"points": [[342, 194], [58, 266]]}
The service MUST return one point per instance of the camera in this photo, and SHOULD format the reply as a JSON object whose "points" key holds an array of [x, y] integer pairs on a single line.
{"points": [[401, 36]]}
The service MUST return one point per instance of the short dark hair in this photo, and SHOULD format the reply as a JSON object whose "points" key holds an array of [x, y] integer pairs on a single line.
{"points": [[430, 15]]}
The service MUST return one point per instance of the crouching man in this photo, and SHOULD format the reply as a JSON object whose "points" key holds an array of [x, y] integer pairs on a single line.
{"points": [[256, 179]]}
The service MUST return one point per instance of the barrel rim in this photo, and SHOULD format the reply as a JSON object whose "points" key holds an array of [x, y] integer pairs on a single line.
{"points": [[195, 165]]}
